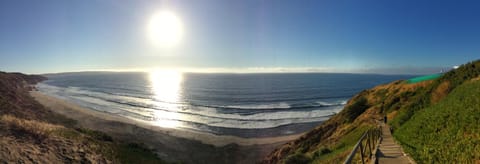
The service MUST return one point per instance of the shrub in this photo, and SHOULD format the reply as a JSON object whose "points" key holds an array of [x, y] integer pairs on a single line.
{"points": [[297, 158], [356, 109], [136, 153], [321, 151], [95, 134]]}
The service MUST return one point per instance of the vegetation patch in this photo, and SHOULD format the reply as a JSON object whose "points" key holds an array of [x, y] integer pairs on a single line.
{"points": [[357, 108], [446, 132], [298, 158], [29, 128], [436, 120], [440, 92], [136, 153], [340, 150], [95, 134]]}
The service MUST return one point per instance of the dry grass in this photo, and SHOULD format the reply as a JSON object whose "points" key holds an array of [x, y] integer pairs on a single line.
{"points": [[32, 128], [476, 79], [440, 92]]}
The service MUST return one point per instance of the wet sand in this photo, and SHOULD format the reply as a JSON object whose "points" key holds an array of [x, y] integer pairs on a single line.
{"points": [[170, 144]]}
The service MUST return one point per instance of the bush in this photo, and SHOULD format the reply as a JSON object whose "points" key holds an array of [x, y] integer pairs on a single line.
{"points": [[321, 152], [136, 153], [297, 158], [356, 109], [95, 134]]}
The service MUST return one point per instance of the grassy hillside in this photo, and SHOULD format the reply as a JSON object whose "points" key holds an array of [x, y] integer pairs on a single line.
{"points": [[447, 131], [432, 93], [333, 140], [403, 103], [30, 133]]}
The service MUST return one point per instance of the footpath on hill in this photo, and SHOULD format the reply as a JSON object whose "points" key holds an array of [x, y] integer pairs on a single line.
{"points": [[389, 151]]}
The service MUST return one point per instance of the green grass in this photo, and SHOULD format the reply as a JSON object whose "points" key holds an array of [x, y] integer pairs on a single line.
{"points": [[334, 154], [55, 118], [447, 132], [95, 134], [135, 153], [346, 143], [415, 101]]}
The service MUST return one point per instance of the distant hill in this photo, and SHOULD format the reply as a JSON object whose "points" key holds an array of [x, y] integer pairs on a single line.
{"points": [[30, 133], [435, 121]]}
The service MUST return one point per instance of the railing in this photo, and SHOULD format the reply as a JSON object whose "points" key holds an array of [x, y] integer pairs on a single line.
{"points": [[365, 148]]}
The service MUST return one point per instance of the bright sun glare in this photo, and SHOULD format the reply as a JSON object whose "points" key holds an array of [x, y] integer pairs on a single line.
{"points": [[166, 87], [165, 29]]}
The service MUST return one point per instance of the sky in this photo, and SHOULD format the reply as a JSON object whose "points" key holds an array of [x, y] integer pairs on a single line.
{"points": [[368, 36]]}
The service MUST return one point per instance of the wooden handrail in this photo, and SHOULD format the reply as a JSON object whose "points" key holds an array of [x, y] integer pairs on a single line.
{"points": [[369, 141]]}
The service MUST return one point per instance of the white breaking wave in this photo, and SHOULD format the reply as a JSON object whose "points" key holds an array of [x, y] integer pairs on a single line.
{"points": [[282, 105], [343, 102], [185, 115]]}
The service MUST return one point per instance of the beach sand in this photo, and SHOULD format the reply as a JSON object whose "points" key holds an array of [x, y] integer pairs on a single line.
{"points": [[170, 144]]}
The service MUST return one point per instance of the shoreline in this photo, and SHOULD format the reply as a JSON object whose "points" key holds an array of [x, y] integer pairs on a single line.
{"points": [[93, 119]]}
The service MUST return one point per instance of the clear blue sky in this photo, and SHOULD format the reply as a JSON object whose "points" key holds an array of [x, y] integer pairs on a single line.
{"points": [[319, 35]]}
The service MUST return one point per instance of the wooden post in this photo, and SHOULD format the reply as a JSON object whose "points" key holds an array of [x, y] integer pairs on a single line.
{"points": [[361, 153]]}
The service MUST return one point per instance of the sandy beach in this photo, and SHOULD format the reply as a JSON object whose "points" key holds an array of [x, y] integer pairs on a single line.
{"points": [[168, 143]]}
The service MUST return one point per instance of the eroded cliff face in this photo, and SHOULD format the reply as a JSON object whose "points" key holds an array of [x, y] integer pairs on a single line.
{"points": [[332, 140]]}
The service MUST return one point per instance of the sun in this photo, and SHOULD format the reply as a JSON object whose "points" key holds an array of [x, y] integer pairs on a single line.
{"points": [[165, 29]]}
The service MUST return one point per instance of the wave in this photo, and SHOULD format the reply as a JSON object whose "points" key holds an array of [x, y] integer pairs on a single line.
{"points": [[260, 116], [282, 105], [184, 120], [232, 123], [277, 100], [203, 111], [147, 102], [144, 101], [337, 103]]}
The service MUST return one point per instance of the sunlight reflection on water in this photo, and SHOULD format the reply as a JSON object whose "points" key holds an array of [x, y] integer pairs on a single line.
{"points": [[166, 87]]}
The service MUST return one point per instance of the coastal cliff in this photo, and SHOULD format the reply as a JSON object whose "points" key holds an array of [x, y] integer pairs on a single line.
{"points": [[31, 133], [413, 110]]}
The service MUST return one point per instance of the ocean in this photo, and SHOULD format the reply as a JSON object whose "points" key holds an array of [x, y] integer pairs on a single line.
{"points": [[243, 105]]}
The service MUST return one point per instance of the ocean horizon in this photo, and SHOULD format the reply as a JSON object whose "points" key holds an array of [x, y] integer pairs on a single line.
{"points": [[243, 105]]}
